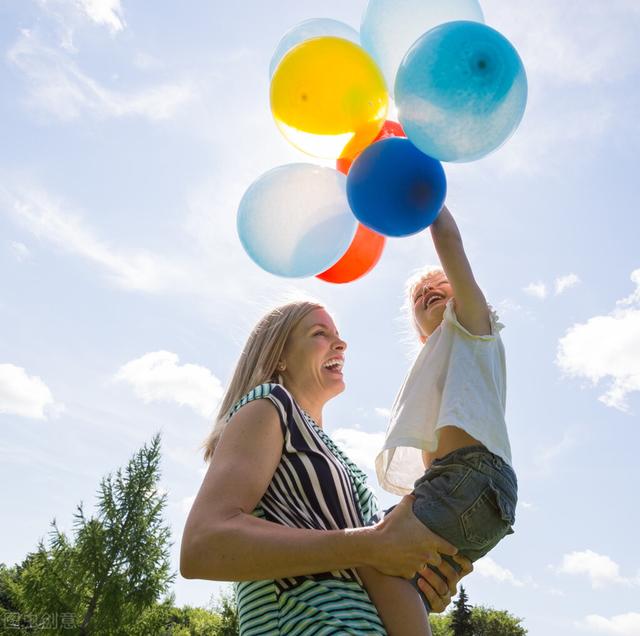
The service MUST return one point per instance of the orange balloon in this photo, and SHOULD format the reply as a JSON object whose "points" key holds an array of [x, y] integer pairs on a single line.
{"points": [[350, 154], [361, 257]]}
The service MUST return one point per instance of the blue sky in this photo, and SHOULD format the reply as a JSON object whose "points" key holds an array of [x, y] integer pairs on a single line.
{"points": [[128, 136]]}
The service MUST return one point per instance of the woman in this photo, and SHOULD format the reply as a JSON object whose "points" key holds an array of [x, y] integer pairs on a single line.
{"points": [[283, 511]]}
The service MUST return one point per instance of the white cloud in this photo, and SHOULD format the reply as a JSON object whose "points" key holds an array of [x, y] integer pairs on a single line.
{"points": [[157, 377], [359, 446], [20, 251], [24, 395], [634, 297], [48, 219], [600, 569], [620, 625], [538, 290], [607, 346], [105, 12], [382, 412], [580, 55], [59, 87], [146, 62], [63, 18], [564, 119], [563, 283], [488, 568], [544, 458], [186, 503]]}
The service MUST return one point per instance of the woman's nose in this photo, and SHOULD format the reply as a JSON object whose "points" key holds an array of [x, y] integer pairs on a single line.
{"points": [[340, 345]]}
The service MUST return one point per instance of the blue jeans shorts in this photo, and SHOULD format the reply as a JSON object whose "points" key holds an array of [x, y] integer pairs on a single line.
{"points": [[468, 497]]}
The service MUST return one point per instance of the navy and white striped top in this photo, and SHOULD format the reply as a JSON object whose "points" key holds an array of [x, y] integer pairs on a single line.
{"points": [[314, 486]]}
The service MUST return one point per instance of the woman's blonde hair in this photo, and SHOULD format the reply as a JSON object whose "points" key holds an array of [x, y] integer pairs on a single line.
{"points": [[258, 361]]}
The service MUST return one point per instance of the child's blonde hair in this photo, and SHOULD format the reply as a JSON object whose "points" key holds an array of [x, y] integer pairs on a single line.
{"points": [[410, 286]]}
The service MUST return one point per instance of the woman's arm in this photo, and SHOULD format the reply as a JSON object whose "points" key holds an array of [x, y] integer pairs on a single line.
{"points": [[223, 541], [471, 305]]}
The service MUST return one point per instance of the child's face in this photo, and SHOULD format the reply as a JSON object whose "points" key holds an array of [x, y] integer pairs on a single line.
{"points": [[430, 297]]}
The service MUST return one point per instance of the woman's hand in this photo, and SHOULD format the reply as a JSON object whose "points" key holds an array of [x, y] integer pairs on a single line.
{"points": [[435, 590], [405, 544]]}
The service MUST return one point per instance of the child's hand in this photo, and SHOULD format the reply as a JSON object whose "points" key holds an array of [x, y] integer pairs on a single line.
{"points": [[406, 544], [435, 589]]}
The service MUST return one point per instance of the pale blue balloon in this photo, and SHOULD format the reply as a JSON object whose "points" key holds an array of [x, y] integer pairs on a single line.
{"points": [[295, 220], [461, 91], [390, 27], [313, 28]]}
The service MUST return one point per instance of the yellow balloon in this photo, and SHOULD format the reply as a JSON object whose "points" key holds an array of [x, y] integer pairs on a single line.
{"points": [[328, 93]]}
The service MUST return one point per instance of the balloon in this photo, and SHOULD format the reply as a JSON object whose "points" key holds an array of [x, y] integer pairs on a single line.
{"points": [[326, 93], [389, 129], [461, 91], [395, 189], [313, 28], [361, 257], [390, 27], [295, 221]]}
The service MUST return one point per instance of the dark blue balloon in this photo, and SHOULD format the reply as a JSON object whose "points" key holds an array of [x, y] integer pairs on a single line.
{"points": [[395, 189]]}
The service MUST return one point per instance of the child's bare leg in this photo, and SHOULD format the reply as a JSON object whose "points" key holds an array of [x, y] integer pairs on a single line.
{"points": [[399, 604]]}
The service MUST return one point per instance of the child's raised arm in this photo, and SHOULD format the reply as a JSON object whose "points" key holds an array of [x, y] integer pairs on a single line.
{"points": [[471, 305]]}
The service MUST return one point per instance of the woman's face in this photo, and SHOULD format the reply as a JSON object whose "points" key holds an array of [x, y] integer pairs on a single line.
{"points": [[430, 297], [314, 357]]}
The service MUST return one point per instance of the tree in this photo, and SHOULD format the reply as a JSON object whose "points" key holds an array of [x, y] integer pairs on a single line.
{"points": [[440, 624], [117, 567], [485, 621], [166, 620], [491, 622], [461, 616], [226, 607]]}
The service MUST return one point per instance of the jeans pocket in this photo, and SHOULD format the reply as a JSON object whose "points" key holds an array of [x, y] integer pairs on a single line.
{"points": [[446, 479], [489, 518]]}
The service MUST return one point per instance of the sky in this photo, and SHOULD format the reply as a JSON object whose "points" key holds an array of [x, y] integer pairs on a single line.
{"points": [[129, 132]]}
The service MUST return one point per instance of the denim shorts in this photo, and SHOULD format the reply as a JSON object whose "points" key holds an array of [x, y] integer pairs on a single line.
{"points": [[468, 497]]}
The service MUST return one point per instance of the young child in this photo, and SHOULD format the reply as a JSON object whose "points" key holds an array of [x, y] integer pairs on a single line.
{"points": [[447, 431]]}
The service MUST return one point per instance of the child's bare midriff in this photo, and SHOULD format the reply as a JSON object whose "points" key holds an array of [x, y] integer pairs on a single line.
{"points": [[451, 438]]}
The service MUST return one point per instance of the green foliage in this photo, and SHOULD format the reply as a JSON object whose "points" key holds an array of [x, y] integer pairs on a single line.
{"points": [[166, 620], [461, 616], [491, 622], [114, 570], [440, 624], [226, 607], [485, 621]]}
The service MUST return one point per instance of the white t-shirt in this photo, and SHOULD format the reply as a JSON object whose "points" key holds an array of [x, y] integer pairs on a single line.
{"points": [[458, 379]]}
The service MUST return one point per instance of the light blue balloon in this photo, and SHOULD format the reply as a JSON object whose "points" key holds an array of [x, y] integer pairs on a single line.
{"points": [[295, 220], [313, 28], [390, 27], [461, 91]]}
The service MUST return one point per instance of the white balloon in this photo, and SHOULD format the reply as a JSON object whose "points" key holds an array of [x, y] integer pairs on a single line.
{"points": [[313, 28], [390, 27], [295, 220]]}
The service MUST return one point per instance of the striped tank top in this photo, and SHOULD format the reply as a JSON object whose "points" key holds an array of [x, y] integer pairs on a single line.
{"points": [[315, 486]]}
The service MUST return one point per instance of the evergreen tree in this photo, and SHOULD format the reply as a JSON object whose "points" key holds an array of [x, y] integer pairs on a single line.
{"points": [[117, 567], [461, 616]]}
